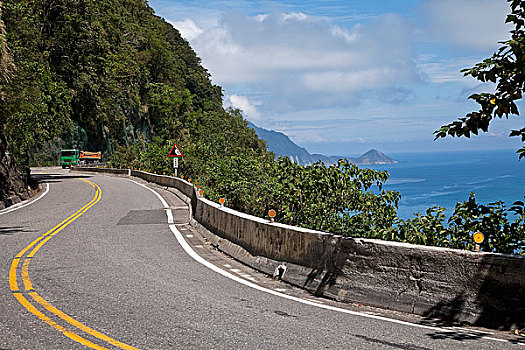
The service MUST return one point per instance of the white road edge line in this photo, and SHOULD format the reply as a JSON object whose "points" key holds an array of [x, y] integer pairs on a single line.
{"points": [[226, 274], [23, 205]]}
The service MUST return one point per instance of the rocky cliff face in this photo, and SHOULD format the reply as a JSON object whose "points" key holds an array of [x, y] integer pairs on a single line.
{"points": [[13, 184]]}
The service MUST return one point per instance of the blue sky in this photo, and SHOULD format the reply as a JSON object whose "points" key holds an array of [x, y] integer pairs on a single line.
{"points": [[342, 77]]}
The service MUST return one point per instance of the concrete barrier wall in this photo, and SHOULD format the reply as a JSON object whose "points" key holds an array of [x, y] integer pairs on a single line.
{"points": [[185, 187], [262, 238], [481, 288]]}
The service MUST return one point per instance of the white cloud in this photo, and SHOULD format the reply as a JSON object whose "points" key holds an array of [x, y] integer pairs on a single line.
{"points": [[187, 28], [341, 32], [340, 82], [336, 76], [305, 137], [307, 62], [295, 16], [446, 70], [242, 103], [261, 17], [178, 11], [475, 24]]}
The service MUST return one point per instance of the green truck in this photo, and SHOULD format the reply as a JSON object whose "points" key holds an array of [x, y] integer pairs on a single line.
{"points": [[69, 157]]}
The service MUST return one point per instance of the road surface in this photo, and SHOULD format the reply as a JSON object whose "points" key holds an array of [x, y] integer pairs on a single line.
{"points": [[93, 263]]}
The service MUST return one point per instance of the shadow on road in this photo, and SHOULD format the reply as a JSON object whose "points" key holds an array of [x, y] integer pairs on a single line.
{"points": [[56, 177], [458, 336], [11, 230], [462, 336], [391, 344]]}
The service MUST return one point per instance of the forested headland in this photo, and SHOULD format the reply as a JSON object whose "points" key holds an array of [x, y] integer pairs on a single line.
{"points": [[112, 76]]}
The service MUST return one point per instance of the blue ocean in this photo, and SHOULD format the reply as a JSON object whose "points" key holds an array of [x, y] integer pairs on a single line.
{"points": [[428, 179]]}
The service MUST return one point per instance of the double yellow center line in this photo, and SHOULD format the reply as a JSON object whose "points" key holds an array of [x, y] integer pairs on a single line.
{"points": [[28, 286]]}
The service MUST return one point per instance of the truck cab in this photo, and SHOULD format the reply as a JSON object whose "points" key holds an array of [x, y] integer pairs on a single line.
{"points": [[69, 157]]}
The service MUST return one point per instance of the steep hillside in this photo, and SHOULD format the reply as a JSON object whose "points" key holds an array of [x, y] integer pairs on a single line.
{"points": [[102, 73], [110, 76], [11, 181]]}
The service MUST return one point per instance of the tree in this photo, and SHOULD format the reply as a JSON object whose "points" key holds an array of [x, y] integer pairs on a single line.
{"points": [[6, 61], [506, 68]]}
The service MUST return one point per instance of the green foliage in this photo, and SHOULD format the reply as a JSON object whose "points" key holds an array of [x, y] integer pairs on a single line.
{"points": [[244, 183], [6, 60], [124, 157], [38, 111], [334, 199], [501, 234], [154, 157], [123, 73], [505, 68], [429, 229]]}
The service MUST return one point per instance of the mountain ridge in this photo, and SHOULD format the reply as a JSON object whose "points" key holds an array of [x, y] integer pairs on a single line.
{"points": [[280, 144]]}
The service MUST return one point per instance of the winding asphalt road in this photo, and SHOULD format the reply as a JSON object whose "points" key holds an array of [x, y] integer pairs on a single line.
{"points": [[93, 263]]}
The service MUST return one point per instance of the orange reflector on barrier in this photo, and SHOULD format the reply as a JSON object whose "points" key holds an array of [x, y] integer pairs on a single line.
{"points": [[478, 237]]}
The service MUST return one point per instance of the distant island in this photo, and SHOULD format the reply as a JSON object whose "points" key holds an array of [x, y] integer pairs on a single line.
{"points": [[281, 145]]}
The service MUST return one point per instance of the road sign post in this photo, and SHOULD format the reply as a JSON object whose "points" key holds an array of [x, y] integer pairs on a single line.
{"points": [[175, 165], [175, 153]]}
